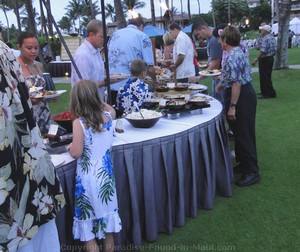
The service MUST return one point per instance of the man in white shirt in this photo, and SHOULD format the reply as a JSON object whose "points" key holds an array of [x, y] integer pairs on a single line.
{"points": [[183, 54], [88, 59]]}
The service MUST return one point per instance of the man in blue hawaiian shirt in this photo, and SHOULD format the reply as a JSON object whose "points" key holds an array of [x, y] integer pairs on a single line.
{"points": [[128, 44]]}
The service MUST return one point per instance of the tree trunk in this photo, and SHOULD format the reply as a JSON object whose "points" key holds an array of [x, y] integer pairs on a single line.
{"points": [[17, 13], [152, 12], [31, 21], [92, 9], [50, 26], [189, 9], [181, 11], [199, 9], [281, 59], [7, 21], [213, 12], [120, 14]]}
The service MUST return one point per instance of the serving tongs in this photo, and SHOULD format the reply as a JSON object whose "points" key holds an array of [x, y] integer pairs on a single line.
{"points": [[137, 107]]}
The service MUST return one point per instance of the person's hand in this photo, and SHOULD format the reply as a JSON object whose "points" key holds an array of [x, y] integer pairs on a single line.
{"points": [[254, 62], [172, 68], [231, 114], [193, 79], [218, 88]]}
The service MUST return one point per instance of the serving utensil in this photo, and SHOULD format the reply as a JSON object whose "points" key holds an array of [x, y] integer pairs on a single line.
{"points": [[137, 107]]}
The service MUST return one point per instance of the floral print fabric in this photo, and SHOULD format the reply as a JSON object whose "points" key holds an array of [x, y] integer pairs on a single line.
{"points": [[236, 68], [30, 193], [96, 206], [134, 90]]}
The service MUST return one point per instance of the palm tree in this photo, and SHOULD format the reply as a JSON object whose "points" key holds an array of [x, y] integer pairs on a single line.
{"points": [[198, 6], [17, 5], [5, 8], [213, 12], [281, 59], [189, 9], [152, 12], [31, 20], [120, 14], [110, 12], [74, 9], [133, 4]]}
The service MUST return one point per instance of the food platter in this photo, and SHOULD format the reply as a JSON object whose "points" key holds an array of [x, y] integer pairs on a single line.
{"points": [[116, 76], [197, 87], [50, 94], [210, 73], [34, 89]]}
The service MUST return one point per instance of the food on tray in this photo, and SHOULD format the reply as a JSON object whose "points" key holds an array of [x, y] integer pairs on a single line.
{"points": [[147, 114], [174, 96], [63, 116], [45, 94], [176, 102], [214, 72], [196, 87], [199, 99]]}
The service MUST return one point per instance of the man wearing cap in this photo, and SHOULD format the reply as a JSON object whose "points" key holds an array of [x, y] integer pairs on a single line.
{"points": [[265, 62]]}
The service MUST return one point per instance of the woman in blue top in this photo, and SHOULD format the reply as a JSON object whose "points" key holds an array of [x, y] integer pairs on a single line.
{"points": [[135, 90], [240, 105]]}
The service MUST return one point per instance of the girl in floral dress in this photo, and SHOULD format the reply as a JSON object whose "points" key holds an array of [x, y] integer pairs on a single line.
{"points": [[96, 207]]}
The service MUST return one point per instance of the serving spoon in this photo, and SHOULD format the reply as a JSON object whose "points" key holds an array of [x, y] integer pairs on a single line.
{"points": [[137, 107]]}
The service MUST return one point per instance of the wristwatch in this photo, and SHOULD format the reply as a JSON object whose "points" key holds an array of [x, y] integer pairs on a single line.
{"points": [[232, 104]]}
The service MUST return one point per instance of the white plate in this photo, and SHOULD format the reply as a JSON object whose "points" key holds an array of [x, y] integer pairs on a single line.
{"points": [[206, 73], [197, 87], [119, 76], [51, 96], [33, 90]]}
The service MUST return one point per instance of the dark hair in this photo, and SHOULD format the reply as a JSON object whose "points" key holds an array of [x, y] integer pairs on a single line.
{"points": [[137, 66], [231, 35], [138, 22], [9, 45], [216, 30], [174, 26], [23, 36], [198, 24]]}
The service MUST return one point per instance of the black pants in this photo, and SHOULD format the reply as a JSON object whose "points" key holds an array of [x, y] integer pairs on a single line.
{"points": [[244, 128], [265, 66]]}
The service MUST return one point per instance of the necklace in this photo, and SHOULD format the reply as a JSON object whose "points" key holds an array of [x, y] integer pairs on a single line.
{"points": [[31, 67]]}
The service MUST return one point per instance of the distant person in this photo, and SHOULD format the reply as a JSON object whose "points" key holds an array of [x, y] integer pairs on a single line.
{"points": [[240, 106], [88, 59], [168, 46], [128, 44], [183, 54], [200, 29], [265, 63], [16, 52], [31, 195], [95, 200], [33, 71], [135, 90]]}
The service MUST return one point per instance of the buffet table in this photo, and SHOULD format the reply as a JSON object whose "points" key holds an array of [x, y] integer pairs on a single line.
{"points": [[60, 68], [163, 174]]}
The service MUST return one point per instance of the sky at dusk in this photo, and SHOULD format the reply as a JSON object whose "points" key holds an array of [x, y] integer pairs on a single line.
{"points": [[58, 9]]}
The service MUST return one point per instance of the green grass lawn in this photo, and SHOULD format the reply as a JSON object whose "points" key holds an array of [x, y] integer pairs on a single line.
{"points": [[263, 217]]}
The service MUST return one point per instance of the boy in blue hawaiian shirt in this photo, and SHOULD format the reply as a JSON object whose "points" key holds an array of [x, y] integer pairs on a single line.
{"points": [[134, 90]]}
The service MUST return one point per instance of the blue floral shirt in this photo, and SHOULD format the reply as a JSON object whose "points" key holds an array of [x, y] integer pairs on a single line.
{"points": [[268, 46], [126, 45], [134, 90], [236, 68]]}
